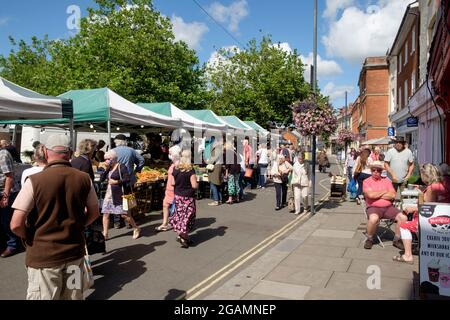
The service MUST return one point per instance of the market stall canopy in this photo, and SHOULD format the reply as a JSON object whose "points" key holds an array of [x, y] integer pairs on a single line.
{"points": [[101, 105], [378, 141], [256, 127], [169, 110], [209, 117], [18, 104], [236, 122]]}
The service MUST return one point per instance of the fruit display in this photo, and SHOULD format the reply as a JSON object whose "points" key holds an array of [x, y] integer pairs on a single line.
{"points": [[151, 175]]}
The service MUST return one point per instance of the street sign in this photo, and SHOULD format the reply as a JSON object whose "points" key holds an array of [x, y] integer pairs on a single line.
{"points": [[391, 131], [412, 122]]}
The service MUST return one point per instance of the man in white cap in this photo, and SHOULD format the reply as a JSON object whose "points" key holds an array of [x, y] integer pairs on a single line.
{"points": [[51, 212], [379, 194]]}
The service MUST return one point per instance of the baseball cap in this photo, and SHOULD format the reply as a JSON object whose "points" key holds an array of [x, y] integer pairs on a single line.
{"points": [[58, 143]]}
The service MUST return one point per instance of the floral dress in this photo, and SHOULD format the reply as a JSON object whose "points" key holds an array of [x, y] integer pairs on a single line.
{"points": [[108, 204]]}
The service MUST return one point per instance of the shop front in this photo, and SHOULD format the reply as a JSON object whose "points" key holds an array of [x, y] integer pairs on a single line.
{"points": [[404, 127]]}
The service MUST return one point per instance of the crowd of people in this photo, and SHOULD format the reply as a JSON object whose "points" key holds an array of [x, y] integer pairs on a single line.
{"points": [[381, 177]]}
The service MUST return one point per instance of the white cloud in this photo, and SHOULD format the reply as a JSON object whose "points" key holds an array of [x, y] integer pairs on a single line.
{"points": [[191, 33], [231, 15], [4, 21], [284, 46], [216, 57], [325, 68], [336, 92], [334, 6], [358, 34]]}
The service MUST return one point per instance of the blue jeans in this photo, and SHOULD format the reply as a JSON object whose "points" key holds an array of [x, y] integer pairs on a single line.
{"points": [[12, 241], [361, 178], [262, 174], [349, 173], [216, 192], [281, 194], [242, 184]]}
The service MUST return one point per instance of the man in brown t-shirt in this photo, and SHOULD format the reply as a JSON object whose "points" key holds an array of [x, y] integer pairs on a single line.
{"points": [[51, 212]]}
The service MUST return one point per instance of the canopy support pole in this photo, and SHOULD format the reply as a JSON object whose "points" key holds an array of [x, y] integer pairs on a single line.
{"points": [[109, 135], [72, 138]]}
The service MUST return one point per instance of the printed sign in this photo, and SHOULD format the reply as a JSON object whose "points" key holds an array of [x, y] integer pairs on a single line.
{"points": [[434, 229], [412, 122], [391, 131]]}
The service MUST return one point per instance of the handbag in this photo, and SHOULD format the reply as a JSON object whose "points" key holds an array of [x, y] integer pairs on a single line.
{"points": [[210, 167], [248, 173], [95, 241], [128, 200], [88, 275]]}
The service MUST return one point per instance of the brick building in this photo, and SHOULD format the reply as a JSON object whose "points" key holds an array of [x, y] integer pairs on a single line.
{"points": [[372, 108]]}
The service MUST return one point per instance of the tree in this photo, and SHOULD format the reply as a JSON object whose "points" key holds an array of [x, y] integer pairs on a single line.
{"points": [[259, 83], [127, 46]]}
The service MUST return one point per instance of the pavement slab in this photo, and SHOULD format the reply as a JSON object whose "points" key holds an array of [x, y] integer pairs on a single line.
{"points": [[300, 276], [333, 233], [282, 290]]}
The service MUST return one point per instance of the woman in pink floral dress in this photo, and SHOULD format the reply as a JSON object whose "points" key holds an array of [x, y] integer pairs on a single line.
{"points": [[186, 184]]}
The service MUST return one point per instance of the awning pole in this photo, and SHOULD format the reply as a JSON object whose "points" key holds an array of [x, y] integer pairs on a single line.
{"points": [[72, 129], [109, 135]]}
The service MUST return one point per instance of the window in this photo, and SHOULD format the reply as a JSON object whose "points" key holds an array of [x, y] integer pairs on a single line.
{"points": [[413, 83], [406, 53], [400, 62], [413, 41], [406, 93]]}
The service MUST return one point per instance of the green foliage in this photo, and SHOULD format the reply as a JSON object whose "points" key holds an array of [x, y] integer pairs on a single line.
{"points": [[130, 49], [259, 83]]}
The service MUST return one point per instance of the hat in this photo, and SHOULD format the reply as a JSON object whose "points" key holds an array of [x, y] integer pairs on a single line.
{"points": [[59, 141], [377, 164], [400, 139], [121, 137]]}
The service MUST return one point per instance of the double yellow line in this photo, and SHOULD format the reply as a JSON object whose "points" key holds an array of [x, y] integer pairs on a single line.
{"points": [[201, 287]]}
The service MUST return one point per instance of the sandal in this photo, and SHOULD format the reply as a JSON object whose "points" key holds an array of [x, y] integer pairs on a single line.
{"points": [[401, 259], [162, 228], [136, 233], [106, 236]]}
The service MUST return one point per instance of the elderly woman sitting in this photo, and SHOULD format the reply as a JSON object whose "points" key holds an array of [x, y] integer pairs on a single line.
{"points": [[434, 192]]}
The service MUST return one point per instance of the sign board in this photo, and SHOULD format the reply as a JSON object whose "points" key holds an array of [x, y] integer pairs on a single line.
{"points": [[391, 131], [412, 122], [434, 260]]}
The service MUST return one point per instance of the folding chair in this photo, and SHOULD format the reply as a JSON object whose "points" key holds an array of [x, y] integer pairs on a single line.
{"points": [[384, 223]]}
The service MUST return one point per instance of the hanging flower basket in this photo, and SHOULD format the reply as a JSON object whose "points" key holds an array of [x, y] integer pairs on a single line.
{"points": [[344, 136], [313, 119]]}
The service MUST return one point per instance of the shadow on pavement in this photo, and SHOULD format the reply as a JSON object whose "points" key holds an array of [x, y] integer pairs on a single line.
{"points": [[175, 294], [249, 196], [207, 234], [204, 222], [119, 267]]}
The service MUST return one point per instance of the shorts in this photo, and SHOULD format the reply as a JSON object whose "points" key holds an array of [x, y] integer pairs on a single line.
{"points": [[383, 212], [168, 198]]}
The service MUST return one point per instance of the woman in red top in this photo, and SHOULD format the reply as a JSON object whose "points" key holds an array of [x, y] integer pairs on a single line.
{"points": [[434, 192]]}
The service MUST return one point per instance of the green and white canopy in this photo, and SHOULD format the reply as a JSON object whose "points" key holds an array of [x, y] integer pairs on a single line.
{"points": [[18, 104], [209, 117], [188, 121], [256, 127], [102, 105], [236, 122]]}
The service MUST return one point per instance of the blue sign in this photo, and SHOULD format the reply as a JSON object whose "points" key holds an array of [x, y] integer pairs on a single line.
{"points": [[391, 131], [412, 122]]}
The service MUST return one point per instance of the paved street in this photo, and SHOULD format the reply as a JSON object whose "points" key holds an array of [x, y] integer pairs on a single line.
{"points": [[155, 267]]}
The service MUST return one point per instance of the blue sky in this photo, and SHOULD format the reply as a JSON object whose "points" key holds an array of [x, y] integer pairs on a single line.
{"points": [[348, 31]]}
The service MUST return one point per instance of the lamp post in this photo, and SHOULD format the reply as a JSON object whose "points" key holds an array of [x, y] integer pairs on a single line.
{"points": [[314, 87]]}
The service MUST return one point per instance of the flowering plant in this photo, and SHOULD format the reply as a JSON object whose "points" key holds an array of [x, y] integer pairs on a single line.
{"points": [[311, 118], [345, 135]]}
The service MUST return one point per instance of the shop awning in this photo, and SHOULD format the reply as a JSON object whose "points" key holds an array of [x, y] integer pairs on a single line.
{"points": [[188, 120], [378, 141], [18, 104]]}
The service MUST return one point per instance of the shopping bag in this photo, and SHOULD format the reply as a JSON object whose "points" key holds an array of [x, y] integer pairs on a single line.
{"points": [[172, 209], [88, 275], [248, 173], [95, 241], [352, 188], [129, 201]]}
